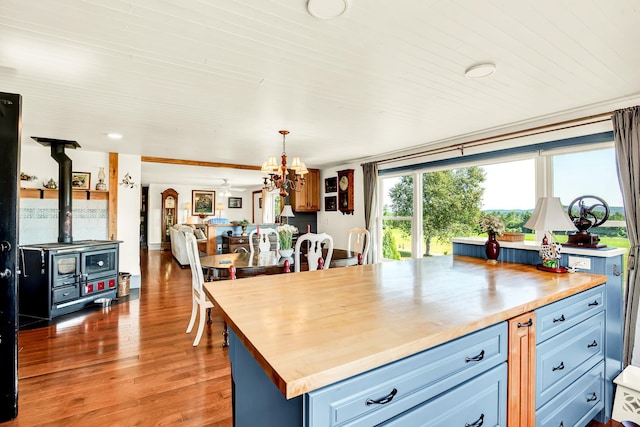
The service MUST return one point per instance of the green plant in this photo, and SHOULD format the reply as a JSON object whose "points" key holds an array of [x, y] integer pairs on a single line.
{"points": [[285, 235], [389, 247]]}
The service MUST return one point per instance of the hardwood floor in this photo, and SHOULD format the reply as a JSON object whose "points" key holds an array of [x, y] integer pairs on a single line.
{"points": [[128, 364]]}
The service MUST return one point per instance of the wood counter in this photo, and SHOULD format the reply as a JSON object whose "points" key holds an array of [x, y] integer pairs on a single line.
{"points": [[308, 330]]}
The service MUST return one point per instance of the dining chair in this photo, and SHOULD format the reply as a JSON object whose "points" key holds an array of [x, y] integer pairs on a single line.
{"points": [[359, 242], [264, 243], [314, 250], [200, 303]]}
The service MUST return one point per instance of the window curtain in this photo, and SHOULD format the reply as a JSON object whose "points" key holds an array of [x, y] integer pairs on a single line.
{"points": [[370, 178], [626, 131]]}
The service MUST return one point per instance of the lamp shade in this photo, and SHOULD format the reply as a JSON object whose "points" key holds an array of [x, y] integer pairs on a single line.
{"points": [[219, 206], [549, 216], [187, 206], [287, 212]]}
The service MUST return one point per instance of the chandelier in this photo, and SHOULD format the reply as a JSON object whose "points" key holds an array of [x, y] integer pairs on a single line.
{"points": [[278, 177]]}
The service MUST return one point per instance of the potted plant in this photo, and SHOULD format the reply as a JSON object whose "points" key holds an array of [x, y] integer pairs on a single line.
{"points": [[285, 237], [242, 224], [493, 225]]}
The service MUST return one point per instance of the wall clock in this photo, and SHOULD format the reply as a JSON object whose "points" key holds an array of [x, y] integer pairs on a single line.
{"points": [[345, 191]]}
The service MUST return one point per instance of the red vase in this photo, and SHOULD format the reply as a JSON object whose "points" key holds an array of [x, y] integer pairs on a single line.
{"points": [[492, 247]]}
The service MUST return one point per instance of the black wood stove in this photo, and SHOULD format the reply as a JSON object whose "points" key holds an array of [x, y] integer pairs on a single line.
{"points": [[58, 278]]}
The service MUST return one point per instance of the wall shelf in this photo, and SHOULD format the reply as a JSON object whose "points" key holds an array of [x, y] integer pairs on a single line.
{"points": [[45, 193]]}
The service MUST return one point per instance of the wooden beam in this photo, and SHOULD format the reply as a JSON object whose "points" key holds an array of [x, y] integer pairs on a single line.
{"points": [[113, 196], [198, 163]]}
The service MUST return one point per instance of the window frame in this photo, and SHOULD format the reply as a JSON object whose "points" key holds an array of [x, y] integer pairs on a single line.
{"points": [[543, 180]]}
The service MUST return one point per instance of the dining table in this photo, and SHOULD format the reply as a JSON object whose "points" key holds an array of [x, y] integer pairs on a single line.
{"points": [[248, 264]]}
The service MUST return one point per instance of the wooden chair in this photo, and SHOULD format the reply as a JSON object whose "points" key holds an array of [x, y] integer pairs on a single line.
{"points": [[314, 251], [200, 303], [359, 242], [264, 243]]}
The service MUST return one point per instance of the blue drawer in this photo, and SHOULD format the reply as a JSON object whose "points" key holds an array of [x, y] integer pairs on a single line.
{"points": [[415, 380], [565, 357], [578, 404], [561, 315], [478, 402]]}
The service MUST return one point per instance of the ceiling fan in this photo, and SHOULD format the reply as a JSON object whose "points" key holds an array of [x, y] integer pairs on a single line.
{"points": [[225, 188]]}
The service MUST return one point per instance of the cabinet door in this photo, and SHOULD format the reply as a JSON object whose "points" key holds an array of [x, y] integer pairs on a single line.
{"points": [[313, 190], [522, 371], [308, 198]]}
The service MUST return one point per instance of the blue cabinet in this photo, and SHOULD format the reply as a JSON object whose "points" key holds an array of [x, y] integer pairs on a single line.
{"points": [[469, 372], [606, 261]]}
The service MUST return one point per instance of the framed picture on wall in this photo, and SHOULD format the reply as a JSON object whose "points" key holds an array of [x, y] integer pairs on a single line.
{"points": [[81, 180], [331, 203], [235, 202], [331, 185], [203, 202]]}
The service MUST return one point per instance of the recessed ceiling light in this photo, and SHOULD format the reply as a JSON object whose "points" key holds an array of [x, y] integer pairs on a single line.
{"points": [[114, 135], [479, 71], [327, 9]]}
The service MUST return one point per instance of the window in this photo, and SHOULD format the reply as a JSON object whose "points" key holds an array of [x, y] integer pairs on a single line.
{"points": [[509, 186], [592, 173], [397, 217]]}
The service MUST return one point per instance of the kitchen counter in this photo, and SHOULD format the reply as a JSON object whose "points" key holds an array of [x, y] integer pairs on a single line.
{"points": [[309, 330]]}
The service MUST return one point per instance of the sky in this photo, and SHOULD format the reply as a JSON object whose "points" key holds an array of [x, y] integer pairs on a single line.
{"points": [[511, 185]]}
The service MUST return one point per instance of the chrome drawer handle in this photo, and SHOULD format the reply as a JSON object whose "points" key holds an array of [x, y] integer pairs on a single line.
{"points": [[66, 294], [593, 344], [525, 325], [560, 367], [388, 398], [475, 358], [477, 423], [592, 397], [559, 319], [594, 304]]}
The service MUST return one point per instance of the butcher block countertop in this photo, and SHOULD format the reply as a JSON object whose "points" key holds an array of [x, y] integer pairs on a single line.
{"points": [[308, 330]]}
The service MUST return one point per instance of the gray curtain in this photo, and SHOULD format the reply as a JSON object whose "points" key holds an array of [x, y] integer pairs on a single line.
{"points": [[626, 129], [370, 178]]}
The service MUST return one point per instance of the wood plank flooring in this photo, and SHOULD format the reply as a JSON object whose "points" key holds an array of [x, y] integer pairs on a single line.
{"points": [[128, 364]]}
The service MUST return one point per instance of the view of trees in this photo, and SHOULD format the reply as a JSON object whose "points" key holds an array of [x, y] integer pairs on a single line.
{"points": [[452, 201]]}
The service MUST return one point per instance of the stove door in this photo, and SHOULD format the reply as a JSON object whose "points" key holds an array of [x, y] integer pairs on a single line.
{"points": [[100, 263]]}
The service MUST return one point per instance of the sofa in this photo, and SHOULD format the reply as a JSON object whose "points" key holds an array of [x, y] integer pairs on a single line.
{"points": [[179, 243]]}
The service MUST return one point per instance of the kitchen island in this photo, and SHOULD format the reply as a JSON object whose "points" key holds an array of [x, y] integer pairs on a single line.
{"points": [[325, 347]]}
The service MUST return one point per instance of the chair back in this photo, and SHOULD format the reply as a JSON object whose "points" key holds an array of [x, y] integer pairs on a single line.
{"points": [[359, 242], [264, 244], [197, 278], [314, 251]]}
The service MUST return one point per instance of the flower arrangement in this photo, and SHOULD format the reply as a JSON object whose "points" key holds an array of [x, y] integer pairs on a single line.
{"points": [[285, 235], [492, 224]]}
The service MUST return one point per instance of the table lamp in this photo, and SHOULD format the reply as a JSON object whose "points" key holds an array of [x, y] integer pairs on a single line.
{"points": [[548, 216], [219, 208], [187, 212], [287, 212]]}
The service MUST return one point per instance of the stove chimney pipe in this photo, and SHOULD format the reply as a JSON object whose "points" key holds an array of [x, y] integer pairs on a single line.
{"points": [[65, 213]]}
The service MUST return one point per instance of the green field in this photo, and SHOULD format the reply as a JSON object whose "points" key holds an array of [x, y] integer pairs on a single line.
{"points": [[438, 248]]}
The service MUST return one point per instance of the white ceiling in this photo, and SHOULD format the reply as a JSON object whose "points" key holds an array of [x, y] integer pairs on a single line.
{"points": [[214, 80]]}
